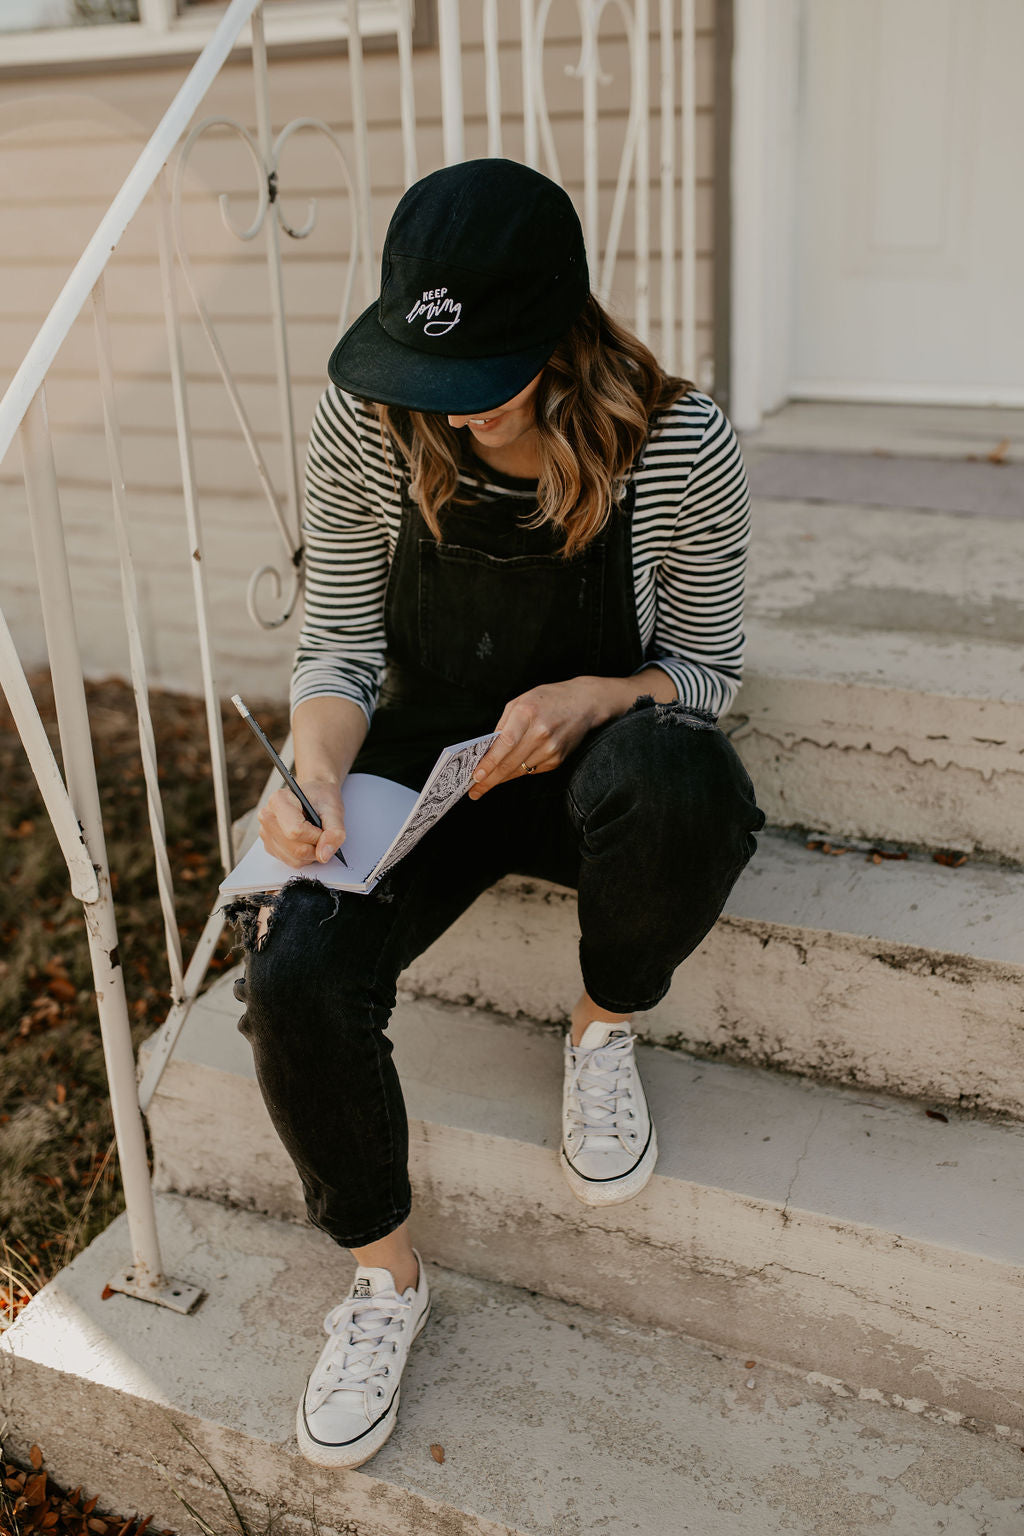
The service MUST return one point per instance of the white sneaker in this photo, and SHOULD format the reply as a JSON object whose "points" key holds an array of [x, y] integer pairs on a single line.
{"points": [[350, 1404], [609, 1148]]}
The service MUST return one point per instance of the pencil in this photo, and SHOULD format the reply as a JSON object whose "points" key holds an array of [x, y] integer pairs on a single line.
{"points": [[307, 809]]}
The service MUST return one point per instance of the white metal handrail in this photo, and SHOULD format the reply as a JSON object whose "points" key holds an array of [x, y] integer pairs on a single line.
{"points": [[73, 802]]}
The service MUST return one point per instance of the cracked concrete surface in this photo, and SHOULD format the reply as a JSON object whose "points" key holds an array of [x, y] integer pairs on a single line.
{"points": [[555, 1421], [812, 1130]]}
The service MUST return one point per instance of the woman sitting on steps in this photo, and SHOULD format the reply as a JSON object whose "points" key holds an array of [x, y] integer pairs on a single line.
{"points": [[515, 522]]}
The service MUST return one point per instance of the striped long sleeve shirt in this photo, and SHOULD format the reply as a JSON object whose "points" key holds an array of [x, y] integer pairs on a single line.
{"points": [[691, 527]]}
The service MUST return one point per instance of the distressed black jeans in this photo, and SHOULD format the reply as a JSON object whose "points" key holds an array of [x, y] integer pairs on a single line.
{"points": [[651, 820]]}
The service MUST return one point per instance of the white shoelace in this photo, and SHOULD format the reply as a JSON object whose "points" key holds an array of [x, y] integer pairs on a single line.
{"points": [[601, 1081], [364, 1335]]}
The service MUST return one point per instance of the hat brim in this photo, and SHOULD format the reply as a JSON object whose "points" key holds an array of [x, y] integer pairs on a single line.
{"points": [[369, 363]]}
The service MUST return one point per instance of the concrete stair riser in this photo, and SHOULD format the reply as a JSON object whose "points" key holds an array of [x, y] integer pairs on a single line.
{"points": [[756, 1233], [115, 1444], [884, 691], [896, 1017], [880, 1313], [925, 771]]}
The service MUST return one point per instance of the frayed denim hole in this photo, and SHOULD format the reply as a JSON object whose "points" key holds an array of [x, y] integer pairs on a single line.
{"points": [[645, 701], [244, 914], [685, 714]]}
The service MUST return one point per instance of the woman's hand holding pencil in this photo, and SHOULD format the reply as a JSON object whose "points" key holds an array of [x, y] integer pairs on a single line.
{"points": [[305, 822], [289, 836]]}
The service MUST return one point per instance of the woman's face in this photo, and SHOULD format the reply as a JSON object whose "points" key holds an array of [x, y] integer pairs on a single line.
{"points": [[506, 423]]}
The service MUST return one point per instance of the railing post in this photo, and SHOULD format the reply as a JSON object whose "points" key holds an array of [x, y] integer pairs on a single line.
{"points": [[450, 48], [275, 278], [361, 140], [408, 96], [190, 494], [492, 73], [531, 86], [144, 1277], [642, 175], [688, 302], [589, 66], [667, 162]]}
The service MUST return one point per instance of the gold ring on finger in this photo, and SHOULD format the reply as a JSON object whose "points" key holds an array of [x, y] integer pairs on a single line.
{"points": [[527, 769]]}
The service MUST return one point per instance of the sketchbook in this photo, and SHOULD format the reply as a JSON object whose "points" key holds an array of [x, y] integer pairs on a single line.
{"points": [[383, 821]]}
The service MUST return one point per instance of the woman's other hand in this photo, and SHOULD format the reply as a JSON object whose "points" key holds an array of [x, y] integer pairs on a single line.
{"points": [[541, 727], [289, 836]]}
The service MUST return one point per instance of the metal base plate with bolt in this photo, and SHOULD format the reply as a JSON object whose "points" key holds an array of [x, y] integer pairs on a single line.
{"points": [[178, 1295]]}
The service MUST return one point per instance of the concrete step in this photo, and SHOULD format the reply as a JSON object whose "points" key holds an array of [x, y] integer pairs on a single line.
{"points": [[902, 976], [829, 1230], [884, 690], [554, 1421]]}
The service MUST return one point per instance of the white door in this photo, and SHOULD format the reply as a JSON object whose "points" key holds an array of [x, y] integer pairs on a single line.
{"points": [[909, 260]]}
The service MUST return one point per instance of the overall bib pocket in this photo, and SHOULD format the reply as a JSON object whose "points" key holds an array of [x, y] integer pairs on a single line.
{"points": [[520, 620]]}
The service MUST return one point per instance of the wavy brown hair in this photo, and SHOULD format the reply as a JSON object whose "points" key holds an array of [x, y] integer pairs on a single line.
{"points": [[596, 398]]}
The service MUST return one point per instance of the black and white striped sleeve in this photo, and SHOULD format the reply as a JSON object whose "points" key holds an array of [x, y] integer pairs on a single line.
{"points": [[341, 648], [698, 637]]}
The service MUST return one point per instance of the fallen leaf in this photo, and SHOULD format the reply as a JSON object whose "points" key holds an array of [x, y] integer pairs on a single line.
{"points": [[878, 854], [62, 989], [437, 1451], [35, 1489], [749, 1364], [99, 1526], [35, 1456], [936, 1114], [106, 1293], [950, 858], [999, 452]]}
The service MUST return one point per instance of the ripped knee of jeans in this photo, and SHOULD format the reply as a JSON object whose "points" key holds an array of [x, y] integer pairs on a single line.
{"points": [[253, 915], [676, 713]]}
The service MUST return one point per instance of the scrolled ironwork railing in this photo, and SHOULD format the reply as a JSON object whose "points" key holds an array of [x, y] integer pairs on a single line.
{"points": [[638, 201]]}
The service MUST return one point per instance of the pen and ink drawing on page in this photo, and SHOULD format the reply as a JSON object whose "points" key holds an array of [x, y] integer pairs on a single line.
{"points": [[446, 785]]}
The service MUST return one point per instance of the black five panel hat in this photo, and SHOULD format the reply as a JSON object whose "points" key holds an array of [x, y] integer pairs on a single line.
{"points": [[484, 269]]}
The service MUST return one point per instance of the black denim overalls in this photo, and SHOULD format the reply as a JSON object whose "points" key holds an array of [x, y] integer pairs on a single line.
{"points": [[491, 611], [651, 819]]}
